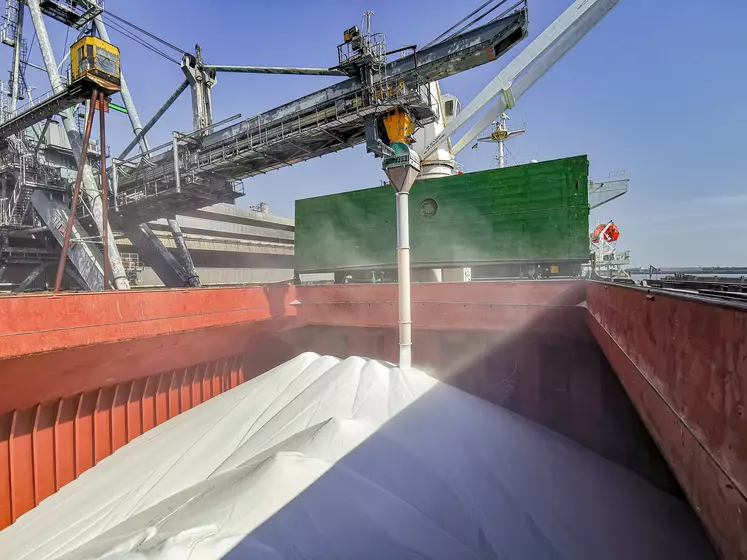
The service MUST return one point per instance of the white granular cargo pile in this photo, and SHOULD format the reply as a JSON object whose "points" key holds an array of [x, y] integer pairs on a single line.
{"points": [[322, 458]]}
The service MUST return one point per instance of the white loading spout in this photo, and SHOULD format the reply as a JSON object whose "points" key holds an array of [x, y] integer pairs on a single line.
{"points": [[402, 167]]}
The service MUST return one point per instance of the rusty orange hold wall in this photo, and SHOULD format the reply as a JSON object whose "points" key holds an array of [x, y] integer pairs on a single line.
{"points": [[44, 447]]}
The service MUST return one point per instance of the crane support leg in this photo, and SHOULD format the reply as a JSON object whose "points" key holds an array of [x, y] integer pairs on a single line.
{"points": [[186, 259], [89, 184], [76, 194], [156, 255]]}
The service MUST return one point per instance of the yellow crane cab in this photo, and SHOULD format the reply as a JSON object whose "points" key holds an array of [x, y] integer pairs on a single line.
{"points": [[95, 62]]}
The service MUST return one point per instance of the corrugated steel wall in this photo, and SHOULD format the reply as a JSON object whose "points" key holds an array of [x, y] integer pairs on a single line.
{"points": [[530, 213], [45, 447]]}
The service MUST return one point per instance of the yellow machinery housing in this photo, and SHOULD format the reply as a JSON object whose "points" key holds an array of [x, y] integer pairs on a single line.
{"points": [[97, 62], [398, 125]]}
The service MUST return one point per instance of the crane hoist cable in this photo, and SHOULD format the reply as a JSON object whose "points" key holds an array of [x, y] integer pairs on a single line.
{"points": [[143, 31], [482, 16], [461, 21], [116, 27]]}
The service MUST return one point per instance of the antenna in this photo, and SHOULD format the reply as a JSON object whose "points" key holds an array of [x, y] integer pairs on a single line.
{"points": [[499, 134]]}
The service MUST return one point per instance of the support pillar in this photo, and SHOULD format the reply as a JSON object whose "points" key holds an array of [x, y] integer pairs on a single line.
{"points": [[186, 259], [89, 186]]}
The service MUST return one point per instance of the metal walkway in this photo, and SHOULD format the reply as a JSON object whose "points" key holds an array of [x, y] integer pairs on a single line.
{"points": [[210, 166], [71, 96]]}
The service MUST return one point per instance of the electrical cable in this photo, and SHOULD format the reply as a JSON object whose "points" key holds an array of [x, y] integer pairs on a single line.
{"points": [[460, 22], [64, 47], [141, 30], [28, 55], [139, 40], [511, 154]]}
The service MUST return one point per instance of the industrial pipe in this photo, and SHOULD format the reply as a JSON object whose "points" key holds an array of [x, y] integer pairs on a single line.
{"points": [[276, 70], [403, 280], [104, 187], [189, 266], [175, 150]]}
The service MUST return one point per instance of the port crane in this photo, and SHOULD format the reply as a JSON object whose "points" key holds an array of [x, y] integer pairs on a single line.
{"points": [[380, 104]]}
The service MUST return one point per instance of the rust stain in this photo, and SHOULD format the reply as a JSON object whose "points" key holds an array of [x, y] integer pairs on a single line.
{"points": [[681, 361]]}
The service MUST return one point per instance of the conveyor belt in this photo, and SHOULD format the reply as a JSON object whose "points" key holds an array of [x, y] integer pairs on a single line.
{"points": [[76, 93]]}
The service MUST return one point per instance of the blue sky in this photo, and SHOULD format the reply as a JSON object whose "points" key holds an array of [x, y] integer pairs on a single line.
{"points": [[657, 89]]}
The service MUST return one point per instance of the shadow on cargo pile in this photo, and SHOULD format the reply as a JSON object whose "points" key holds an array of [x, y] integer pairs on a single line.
{"points": [[452, 476], [550, 370]]}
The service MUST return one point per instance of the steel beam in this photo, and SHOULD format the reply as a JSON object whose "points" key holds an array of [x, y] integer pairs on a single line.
{"points": [[276, 70], [157, 256], [524, 70], [154, 119], [201, 81], [137, 128], [186, 258], [75, 277], [84, 256], [90, 188]]}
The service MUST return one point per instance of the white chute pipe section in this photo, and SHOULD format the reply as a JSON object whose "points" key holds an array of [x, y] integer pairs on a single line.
{"points": [[522, 72]]}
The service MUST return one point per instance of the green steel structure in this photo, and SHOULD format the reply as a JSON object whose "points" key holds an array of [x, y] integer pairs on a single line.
{"points": [[527, 214]]}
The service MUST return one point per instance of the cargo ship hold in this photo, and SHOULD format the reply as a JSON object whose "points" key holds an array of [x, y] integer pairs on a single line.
{"points": [[381, 402]]}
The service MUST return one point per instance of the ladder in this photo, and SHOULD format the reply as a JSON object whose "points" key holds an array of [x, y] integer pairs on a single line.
{"points": [[20, 200], [9, 29]]}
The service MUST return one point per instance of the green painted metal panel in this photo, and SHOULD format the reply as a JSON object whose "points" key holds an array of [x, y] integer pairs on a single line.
{"points": [[527, 213]]}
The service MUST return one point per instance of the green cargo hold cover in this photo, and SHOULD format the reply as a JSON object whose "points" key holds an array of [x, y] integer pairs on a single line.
{"points": [[531, 213]]}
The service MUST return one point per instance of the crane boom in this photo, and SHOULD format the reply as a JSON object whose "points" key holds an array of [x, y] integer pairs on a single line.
{"points": [[522, 72]]}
